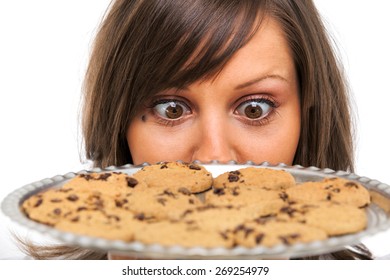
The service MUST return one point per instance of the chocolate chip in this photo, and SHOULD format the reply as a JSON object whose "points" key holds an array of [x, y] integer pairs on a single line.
{"points": [[259, 238], [206, 207], [115, 217], [288, 210], [233, 177], [194, 167], [329, 196], [131, 182], [239, 228], [184, 191], [185, 213], [168, 193], [72, 197], [224, 235], [191, 201], [57, 211], [244, 229], [264, 219], [219, 191], [99, 203], [283, 196], [86, 176], [39, 202], [248, 231], [287, 239], [65, 190], [75, 219], [140, 216], [164, 166], [104, 176], [161, 201], [81, 208], [351, 184], [120, 203], [235, 191], [56, 200]]}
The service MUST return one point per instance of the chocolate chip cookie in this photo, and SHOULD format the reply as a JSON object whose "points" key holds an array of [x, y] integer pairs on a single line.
{"points": [[264, 178], [330, 189], [176, 175]]}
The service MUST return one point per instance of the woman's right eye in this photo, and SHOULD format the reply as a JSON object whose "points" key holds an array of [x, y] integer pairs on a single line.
{"points": [[171, 109]]}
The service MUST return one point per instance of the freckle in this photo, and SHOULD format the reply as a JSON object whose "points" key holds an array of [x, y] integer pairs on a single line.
{"points": [[143, 118]]}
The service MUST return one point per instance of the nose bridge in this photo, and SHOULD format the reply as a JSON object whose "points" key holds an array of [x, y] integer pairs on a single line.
{"points": [[214, 140]]}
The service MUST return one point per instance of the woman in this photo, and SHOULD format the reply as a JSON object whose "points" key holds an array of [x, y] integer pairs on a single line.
{"points": [[216, 80]]}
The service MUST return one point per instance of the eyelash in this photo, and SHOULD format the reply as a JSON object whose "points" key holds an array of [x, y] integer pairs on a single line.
{"points": [[260, 122]]}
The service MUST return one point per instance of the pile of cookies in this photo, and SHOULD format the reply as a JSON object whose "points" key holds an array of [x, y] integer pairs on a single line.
{"points": [[176, 203]]}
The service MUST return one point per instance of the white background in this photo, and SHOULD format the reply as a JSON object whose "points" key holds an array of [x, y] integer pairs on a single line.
{"points": [[44, 47]]}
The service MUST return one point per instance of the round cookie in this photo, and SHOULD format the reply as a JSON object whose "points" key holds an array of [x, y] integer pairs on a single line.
{"points": [[191, 176], [274, 233], [51, 206], [333, 218], [93, 191], [330, 189], [265, 178]]}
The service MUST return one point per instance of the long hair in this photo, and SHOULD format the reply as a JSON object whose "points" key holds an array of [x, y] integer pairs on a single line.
{"points": [[145, 46]]}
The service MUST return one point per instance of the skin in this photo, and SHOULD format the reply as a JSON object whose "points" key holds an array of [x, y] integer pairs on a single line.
{"points": [[213, 118]]}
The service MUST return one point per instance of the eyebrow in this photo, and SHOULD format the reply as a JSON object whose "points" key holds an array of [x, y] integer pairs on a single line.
{"points": [[257, 80]]}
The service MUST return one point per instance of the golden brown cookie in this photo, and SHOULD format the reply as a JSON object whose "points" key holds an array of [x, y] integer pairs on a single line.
{"points": [[265, 178], [274, 233], [94, 191], [176, 175], [53, 205], [333, 218], [330, 189]]}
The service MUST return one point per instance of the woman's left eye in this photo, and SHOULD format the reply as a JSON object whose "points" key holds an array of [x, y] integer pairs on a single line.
{"points": [[171, 109], [255, 109]]}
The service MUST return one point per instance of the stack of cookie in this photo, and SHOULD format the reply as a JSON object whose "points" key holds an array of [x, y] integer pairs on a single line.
{"points": [[161, 204]]}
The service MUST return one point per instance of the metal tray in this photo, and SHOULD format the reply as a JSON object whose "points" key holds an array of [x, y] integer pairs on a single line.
{"points": [[378, 214]]}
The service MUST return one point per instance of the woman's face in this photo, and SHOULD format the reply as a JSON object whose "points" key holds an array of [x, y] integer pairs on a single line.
{"points": [[250, 111]]}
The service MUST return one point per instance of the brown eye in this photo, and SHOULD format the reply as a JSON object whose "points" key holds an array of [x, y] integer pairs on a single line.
{"points": [[171, 109], [254, 109], [174, 112]]}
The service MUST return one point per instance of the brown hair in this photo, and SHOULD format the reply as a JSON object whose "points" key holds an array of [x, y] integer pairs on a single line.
{"points": [[146, 46]]}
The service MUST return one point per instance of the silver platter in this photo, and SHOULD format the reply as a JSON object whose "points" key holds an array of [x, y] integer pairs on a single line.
{"points": [[378, 214]]}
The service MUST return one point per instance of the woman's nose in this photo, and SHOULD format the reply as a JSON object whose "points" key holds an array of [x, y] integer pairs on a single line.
{"points": [[213, 142]]}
